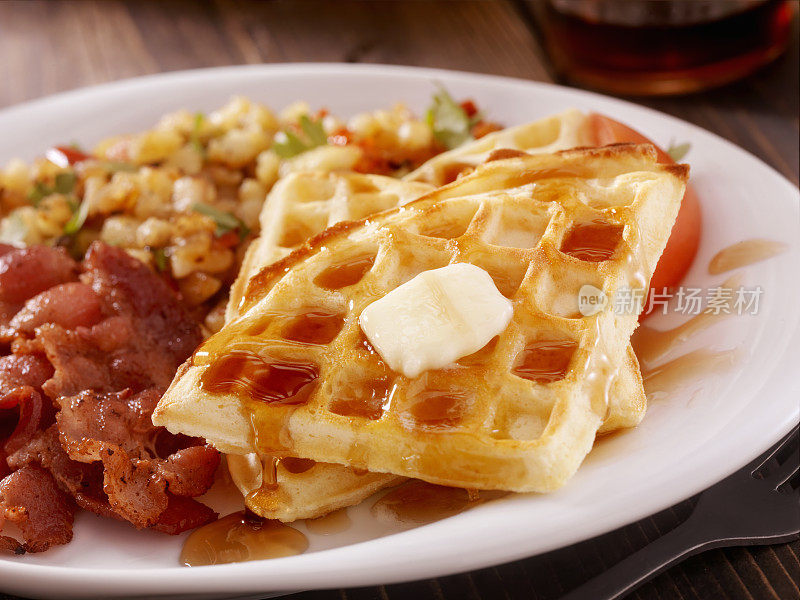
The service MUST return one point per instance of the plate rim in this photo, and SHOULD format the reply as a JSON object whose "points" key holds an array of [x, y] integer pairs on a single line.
{"points": [[219, 578]]}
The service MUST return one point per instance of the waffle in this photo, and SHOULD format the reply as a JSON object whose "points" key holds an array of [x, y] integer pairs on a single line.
{"points": [[290, 495], [495, 429], [302, 205], [568, 129]]}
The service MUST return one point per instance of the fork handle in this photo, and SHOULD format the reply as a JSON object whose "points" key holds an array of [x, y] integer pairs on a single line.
{"points": [[645, 564]]}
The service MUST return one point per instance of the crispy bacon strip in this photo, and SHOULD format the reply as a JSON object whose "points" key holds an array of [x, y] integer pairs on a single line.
{"points": [[84, 482], [70, 305], [24, 272], [30, 498], [103, 349], [183, 514]]}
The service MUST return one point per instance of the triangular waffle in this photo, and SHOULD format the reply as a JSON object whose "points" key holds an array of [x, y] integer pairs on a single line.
{"points": [[501, 430]]}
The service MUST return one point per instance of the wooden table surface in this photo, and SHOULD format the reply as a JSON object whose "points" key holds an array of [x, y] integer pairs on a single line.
{"points": [[50, 46]]}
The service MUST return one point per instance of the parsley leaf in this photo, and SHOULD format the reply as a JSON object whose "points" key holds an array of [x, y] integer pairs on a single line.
{"points": [[194, 137], [677, 152], [288, 144], [65, 182], [38, 192], [225, 221], [449, 122]]}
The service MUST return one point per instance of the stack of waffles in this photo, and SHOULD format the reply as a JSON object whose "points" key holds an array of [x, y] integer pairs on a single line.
{"points": [[310, 413]]}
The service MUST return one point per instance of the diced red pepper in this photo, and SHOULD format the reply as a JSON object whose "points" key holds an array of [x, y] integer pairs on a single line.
{"points": [[66, 156]]}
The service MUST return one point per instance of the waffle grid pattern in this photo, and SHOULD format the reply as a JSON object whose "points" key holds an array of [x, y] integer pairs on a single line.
{"points": [[530, 436]]}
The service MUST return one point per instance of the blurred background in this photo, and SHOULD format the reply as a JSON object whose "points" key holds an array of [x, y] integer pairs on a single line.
{"points": [[730, 66], [626, 47]]}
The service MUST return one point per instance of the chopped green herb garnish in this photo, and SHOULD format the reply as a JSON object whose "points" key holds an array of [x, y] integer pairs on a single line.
{"points": [[194, 138], [65, 182], [314, 131], [449, 122], [160, 259], [74, 225], [38, 192], [288, 144], [225, 221], [677, 152]]}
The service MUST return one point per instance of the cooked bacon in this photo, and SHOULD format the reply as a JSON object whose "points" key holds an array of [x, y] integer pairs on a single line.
{"points": [[190, 472], [132, 288], [30, 498], [141, 345], [69, 305], [134, 488], [141, 490], [34, 414], [101, 351], [183, 514], [121, 419], [20, 370], [4, 468], [83, 481], [103, 358], [9, 545], [24, 272]]}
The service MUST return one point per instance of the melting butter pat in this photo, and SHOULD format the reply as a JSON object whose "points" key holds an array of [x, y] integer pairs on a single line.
{"points": [[436, 318]]}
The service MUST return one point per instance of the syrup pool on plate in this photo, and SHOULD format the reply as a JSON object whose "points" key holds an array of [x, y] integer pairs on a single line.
{"points": [[241, 537]]}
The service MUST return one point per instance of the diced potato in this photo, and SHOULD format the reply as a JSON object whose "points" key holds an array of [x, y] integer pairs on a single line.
{"points": [[238, 147], [188, 191], [154, 232], [267, 165], [120, 231], [154, 146]]}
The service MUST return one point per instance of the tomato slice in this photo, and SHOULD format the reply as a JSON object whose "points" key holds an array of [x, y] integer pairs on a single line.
{"points": [[685, 237]]}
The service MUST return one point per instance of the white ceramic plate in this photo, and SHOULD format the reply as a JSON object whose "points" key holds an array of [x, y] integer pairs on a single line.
{"points": [[699, 435]]}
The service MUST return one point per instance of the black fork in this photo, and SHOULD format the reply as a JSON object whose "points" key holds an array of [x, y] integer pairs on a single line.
{"points": [[758, 504]]}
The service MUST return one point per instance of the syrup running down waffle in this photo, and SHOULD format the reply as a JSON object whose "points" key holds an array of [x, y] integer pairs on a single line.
{"points": [[520, 414]]}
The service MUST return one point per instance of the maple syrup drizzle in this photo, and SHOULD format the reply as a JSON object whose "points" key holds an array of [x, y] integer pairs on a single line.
{"points": [[314, 327], [330, 524], [545, 361], [662, 380], [367, 400], [417, 503], [744, 253], [506, 283], [241, 537], [453, 171], [345, 274], [651, 344], [504, 153], [272, 381], [246, 471], [297, 465], [435, 410], [592, 242], [536, 175]]}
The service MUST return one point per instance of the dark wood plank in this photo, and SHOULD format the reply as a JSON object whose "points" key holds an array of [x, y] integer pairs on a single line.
{"points": [[46, 47]]}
